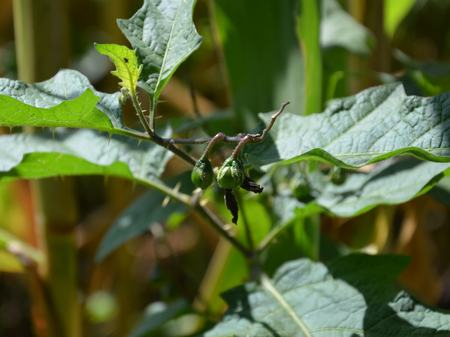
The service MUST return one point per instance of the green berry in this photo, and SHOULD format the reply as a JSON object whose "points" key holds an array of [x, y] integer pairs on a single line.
{"points": [[231, 175], [202, 175]]}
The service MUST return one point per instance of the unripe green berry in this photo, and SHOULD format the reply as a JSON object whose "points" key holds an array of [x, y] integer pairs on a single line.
{"points": [[202, 175], [231, 175]]}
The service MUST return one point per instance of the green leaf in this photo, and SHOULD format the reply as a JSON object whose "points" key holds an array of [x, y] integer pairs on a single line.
{"points": [[156, 315], [67, 100], [369, 127], [38, 155], [128, 69], [353, 296], [340, 29], [389, 184], [262, 54], [137, 218], [164, 35], [394, 12]]}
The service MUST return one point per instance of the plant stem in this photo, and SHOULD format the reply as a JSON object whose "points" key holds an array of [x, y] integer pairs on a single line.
{"points": [[216, 138], [215, 222], [140, 113]]}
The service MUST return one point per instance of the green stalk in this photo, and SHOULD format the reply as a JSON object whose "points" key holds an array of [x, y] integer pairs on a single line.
{"points": [[308, 24], [41, 30]]}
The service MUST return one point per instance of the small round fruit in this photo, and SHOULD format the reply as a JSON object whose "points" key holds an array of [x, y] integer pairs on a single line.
{"points": [[231, 175], [202, 174]]}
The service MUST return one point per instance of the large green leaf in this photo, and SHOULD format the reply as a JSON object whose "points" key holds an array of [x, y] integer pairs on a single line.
{"points": [[37, 155], [389, 184], [371, 126], [262, 54], [67, 99], [164, 35], [353, 296]]}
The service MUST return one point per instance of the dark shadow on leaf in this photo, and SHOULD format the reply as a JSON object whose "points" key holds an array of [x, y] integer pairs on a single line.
{"points": [[385, 305]]}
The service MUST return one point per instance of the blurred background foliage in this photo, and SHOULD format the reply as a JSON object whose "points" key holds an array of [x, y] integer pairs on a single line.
{"points": [[249, 62]]}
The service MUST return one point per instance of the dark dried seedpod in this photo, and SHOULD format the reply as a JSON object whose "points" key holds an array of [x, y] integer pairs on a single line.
{"points": [[232, 205], [251, 185], [202, 174], [231, 175]]}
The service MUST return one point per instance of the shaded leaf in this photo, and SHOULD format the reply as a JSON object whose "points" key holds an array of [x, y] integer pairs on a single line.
{"points": [[67, 100], [371, 126], [154, 318], [164, 35], [38, 155], [128, 69], [389, 184], [137, 218], [339, 29], [353, 296]]}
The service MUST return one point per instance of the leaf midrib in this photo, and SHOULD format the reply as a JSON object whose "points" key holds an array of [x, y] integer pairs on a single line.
{"points": [[167, 48]]}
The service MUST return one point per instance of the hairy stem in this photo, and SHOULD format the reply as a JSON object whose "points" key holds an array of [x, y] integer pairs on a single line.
{"points": [[140, 113]]}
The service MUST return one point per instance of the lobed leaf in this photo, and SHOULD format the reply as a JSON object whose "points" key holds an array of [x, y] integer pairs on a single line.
{"points": [[164, 35], [369, 127], [128, 68], [66, 100], [352, 296]]}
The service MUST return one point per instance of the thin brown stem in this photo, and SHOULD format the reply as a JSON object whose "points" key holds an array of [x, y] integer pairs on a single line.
{"points": [[216, 138]]}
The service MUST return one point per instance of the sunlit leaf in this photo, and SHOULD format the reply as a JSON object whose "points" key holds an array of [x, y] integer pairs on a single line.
{"points": [[38, 155], [164, 35], [128, 69], [371, 126], [66, 100]]}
